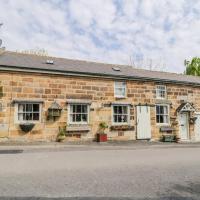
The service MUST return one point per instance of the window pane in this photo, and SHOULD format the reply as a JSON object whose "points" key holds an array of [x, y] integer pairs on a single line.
{"points": [[78, 117], [161, 110], [84, 117], [21, 108], [122, 118], [165, 119], [157, 109], [118, 84], [119, 120], [125, 110], [115, 109], [123, 84], [35, 116], [78, 108], [73, 108], [115, 119], [28, 116], [119, 110], [35, 107], [29, 107], [157, 118], [73, 118], [84, 108], [165, 109], [20, 117], [125, 118], [161, 119], [24, 107], [123, 92], [120, 92]]}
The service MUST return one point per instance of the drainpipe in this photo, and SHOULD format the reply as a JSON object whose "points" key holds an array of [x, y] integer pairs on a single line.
{"points": [[10, 105]]}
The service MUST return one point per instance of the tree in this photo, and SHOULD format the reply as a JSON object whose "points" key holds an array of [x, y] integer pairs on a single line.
{"points": [[192, 67]]}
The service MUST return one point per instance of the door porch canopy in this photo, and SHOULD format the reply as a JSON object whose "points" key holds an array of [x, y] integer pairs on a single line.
{"points": [[186, 107]]}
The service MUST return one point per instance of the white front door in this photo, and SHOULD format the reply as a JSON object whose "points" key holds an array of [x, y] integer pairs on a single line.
{"points": [[143, 122], [197, 126], [184, 126]]}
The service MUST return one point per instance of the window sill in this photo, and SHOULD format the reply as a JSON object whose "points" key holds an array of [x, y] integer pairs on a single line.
{"points": [[120, 97], [163, 124], [167, 129], [28, 122], [78, 127], [122, 127], [162, 101]]}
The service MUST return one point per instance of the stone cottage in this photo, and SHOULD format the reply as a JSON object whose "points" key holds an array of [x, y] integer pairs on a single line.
{"points": [[49, 93]]}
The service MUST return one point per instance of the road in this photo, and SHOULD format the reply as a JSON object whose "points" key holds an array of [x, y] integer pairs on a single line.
{"points": [[160, 173]]}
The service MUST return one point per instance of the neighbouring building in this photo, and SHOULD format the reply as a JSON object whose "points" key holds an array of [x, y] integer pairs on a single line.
{"points": [[49, 93]]}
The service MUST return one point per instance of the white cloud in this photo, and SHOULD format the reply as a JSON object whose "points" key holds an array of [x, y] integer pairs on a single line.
{"points": [[105, 30]]}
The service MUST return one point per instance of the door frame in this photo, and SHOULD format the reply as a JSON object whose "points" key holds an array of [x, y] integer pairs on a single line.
{"points": [[188, 126], [197, 138], [149, 109]]}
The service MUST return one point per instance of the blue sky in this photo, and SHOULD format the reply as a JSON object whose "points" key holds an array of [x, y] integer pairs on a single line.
{"points": [[143, 33]]}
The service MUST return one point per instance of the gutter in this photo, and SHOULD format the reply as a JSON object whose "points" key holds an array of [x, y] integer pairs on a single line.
{"points": [[93, 75]]}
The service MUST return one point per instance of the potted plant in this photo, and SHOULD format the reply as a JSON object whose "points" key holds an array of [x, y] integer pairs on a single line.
{"points": [[178, 139], [101, 135], [61, 135], [168, 138], [26, 127]]}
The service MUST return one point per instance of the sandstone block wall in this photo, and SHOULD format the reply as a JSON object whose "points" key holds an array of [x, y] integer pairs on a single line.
{"points": [[99, 90]]}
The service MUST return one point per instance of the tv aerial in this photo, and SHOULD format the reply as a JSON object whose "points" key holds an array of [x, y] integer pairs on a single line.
{"points": [[1, 24]]}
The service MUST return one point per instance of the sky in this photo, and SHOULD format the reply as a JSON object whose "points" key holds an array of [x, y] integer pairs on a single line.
{"points": [[151, 34]]}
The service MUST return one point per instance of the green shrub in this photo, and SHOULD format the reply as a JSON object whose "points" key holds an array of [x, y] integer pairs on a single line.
{"points": [[102, 127]]}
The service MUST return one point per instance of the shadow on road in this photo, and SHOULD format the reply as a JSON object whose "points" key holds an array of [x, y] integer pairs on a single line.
{"points": [[12, 151], [176, 192]]}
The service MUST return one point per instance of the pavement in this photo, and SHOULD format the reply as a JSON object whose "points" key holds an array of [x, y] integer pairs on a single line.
{"points": [[100, 171], [19, 147]]}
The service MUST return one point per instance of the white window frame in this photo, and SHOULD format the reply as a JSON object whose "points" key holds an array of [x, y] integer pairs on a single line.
{"points": [[158, 91], [69, 113], [117, 87], [128, 115], [168, 108], [17, 121]]}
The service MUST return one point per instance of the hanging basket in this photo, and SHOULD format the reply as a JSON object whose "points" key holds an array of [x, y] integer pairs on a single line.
{"points": [[26, 127]]}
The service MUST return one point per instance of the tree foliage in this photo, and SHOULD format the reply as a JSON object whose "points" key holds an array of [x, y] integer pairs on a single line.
{"points": [[193, 66]]}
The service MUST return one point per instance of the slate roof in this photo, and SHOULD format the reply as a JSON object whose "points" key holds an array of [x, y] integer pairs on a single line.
{"points": [[18, 61]]}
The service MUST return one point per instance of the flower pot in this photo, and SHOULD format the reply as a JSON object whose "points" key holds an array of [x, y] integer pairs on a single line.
{"points": [[61, 138], [101, 137], [169, 138], [178, 139], [26, 127]]}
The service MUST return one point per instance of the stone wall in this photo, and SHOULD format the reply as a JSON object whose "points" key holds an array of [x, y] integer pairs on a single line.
{"points": [[99, 90]]}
